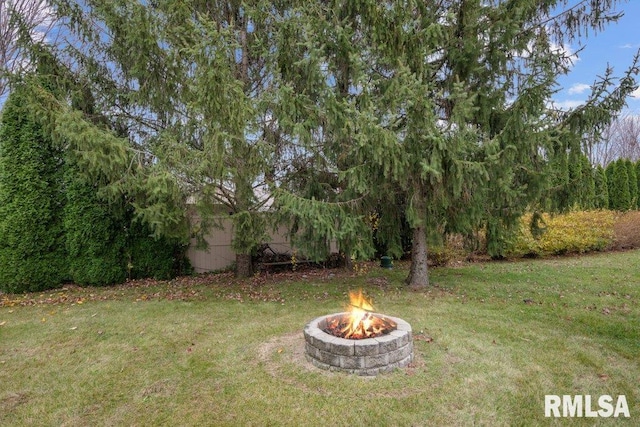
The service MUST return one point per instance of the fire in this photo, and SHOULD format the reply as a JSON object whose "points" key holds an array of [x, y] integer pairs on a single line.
{"points": [[360, 321]]}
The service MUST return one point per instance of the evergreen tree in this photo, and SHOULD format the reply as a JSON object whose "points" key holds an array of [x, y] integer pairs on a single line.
{"points": [[560, 190], [576, 187], [158, 257], [609, 174], [572, 176], [601, 189], [588, 186], [445, 101], [633, 183], [638, 183], [32, 250], [618, 185], [103, 245], [95, 231], [429, 98], [195, 84]]}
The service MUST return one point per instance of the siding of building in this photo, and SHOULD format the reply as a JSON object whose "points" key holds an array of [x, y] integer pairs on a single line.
{"points": [[220, 254]]}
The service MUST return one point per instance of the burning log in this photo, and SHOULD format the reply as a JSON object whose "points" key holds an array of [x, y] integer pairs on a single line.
{"points": [[370, 326], [359, 322]]}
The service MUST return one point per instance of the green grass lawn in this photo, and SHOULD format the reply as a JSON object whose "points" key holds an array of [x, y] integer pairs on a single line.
{"points": [[491, 340]]}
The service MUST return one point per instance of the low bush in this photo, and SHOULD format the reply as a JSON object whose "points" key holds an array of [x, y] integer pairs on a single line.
{"points": [[453, 248], [569, 233], [627, 230], [573, 232]]}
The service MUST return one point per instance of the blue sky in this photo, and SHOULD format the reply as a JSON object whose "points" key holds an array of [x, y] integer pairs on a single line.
{"points": [[615, 46]]}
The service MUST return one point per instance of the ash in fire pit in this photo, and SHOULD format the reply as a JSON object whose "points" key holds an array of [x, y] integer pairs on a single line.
{"points": [[359, 341]]}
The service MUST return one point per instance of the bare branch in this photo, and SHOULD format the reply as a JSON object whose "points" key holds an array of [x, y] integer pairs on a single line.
{"points": [[37, 17]]}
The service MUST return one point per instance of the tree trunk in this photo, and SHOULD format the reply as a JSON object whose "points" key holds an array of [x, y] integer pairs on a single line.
{"points": [[418, 274], [244, 265], [348, 262]]}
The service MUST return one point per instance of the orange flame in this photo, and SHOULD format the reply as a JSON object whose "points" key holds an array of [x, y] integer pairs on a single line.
{"points": [[360, 322], [358, 301]]}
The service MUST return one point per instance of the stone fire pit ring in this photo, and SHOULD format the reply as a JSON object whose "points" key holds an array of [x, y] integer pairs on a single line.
{"points": [[369, 356]]}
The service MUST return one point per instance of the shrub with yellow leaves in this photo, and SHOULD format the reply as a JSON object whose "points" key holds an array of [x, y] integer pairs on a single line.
{"points": [[572, 232]]}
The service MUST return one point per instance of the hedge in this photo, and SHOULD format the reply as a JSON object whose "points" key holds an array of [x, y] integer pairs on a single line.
{"points": [[573, 232]]}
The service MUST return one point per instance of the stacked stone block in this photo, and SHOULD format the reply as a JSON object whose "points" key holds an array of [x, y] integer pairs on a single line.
{"points": [[369, 356]]}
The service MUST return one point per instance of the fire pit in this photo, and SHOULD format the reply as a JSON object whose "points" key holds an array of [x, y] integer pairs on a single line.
{"points": [[358, 341]]}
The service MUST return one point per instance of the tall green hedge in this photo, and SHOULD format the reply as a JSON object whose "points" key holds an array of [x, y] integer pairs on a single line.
{"points": [[54, 227], [95, 231], [588, 185], [618, 186], [160, 258], [601, 190], [106, 245], [633, 183], [32, 249], [575, 184], [638, 184]]}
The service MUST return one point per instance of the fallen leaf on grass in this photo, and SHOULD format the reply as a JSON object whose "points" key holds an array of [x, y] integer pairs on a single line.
{"points": [[422, 337], [603, 377]]}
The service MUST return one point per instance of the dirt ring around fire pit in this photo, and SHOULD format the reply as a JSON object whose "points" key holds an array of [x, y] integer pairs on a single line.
{"points": [[369, 356]]}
